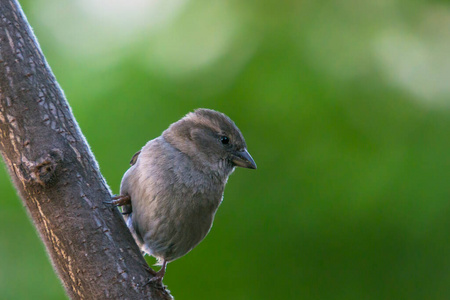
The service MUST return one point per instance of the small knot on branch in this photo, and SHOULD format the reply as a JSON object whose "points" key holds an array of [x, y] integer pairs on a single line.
{"points": [[45, 168]]}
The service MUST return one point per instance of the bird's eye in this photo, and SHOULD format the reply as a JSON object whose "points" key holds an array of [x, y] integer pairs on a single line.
{"points": [[224, 140]]}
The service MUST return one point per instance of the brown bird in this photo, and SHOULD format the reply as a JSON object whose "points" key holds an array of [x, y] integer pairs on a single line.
{"points": [[175, 184]]}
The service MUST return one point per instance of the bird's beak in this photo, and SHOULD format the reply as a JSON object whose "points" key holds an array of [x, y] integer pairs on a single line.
{"points": [[243, 159]]}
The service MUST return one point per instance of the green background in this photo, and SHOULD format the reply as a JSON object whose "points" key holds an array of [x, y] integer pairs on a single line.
{"points": [[345, 109]]}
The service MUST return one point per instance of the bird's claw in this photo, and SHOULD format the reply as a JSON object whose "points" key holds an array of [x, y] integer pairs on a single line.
{"points": [[120, 200], [150, 270], [157, 279]]}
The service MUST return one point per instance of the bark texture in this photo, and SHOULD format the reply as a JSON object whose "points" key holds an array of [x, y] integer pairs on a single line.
{"points": [[58, 178]]}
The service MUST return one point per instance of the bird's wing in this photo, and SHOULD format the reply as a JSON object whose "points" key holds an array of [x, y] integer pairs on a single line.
{"points": [[135, 158]]}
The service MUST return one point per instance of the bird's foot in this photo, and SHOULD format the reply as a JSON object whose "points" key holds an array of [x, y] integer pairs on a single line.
{"points": [[150, 270], [119, 200], [157, 277], [156, 280]]}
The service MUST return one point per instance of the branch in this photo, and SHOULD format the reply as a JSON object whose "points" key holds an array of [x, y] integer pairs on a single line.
{"points": [[57, 177]]}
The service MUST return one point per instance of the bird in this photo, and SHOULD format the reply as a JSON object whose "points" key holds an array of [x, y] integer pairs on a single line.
{"points": [[171, 192]]}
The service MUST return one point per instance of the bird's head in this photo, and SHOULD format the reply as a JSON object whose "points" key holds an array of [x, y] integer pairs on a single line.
{"points": [[211, 140]]}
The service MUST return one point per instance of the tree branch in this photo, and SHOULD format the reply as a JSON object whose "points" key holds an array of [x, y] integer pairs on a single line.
{"points": [[57, 177]]}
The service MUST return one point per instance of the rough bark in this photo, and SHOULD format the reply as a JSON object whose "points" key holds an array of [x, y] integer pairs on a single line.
{"points": [[57, 176]]}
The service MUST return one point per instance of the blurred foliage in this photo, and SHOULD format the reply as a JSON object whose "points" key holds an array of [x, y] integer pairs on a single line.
{"points": [[344, 106]]}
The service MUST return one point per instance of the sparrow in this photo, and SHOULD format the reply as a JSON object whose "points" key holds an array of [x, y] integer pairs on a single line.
{"points": [[175, 184]]}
